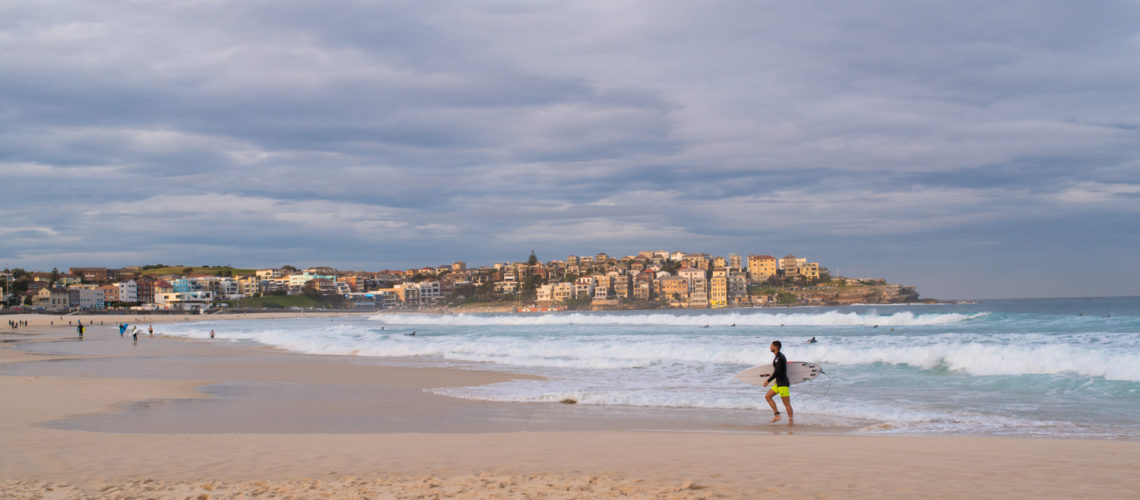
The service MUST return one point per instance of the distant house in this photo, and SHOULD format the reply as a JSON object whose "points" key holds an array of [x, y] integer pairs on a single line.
{"points": [[691, 273], [144, 291], [268, 274], [322, 286], [621, 286], [110, 293], [699, 293], [563, 292], [52, 299], [162, 286], [584, 286], [90, 274]]}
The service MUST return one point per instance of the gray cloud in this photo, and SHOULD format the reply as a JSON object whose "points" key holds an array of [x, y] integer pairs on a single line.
{"points": [[888, 137]]}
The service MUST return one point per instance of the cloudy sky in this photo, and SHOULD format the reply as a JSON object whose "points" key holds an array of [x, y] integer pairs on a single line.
{"points": [[973, 149]]}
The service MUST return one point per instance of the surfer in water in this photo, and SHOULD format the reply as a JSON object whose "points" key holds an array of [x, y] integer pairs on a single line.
{"points": [[780, 376]]}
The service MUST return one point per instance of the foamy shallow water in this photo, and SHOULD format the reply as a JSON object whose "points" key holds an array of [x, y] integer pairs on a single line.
{"points": [[1057, 368]]}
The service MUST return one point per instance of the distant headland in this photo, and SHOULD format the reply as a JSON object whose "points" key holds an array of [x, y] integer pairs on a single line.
{"points": [[655, 279]]}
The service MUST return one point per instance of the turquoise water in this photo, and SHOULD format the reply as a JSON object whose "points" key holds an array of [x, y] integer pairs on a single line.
{"points": [[1042, 367]]}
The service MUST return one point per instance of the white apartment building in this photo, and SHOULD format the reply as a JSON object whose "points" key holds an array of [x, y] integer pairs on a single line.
{"points": [[227, 288], [268, 274], [584, 286], [699, 293], [544, 294], [184, 301], [429, 291], [509, 286], [128, 291]]}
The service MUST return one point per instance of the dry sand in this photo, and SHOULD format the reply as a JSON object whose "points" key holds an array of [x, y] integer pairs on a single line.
{"points": [[37, 461]]}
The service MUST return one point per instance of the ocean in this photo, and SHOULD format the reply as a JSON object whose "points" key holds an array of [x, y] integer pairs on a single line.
{"points": [[1066, 368]]}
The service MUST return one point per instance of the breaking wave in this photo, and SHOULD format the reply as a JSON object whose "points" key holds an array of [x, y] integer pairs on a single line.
{"points": [[975, 355], [830, 318]]}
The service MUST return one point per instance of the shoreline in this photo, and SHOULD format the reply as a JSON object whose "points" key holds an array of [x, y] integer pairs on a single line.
{"points": [[492, 308], [569, 463]]}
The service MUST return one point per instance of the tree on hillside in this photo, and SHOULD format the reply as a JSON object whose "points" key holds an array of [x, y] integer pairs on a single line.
{"points": [[530, 287], [532, 260], [54, 277]]}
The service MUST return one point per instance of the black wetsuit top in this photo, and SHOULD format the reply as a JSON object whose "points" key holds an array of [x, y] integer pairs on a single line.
{"points": [[780, 370]]}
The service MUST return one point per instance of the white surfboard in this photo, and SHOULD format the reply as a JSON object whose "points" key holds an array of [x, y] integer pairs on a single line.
{"points": [[798, 371]]}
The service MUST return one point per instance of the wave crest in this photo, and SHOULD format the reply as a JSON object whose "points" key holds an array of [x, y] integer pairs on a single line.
{"points": [[830, 318]]}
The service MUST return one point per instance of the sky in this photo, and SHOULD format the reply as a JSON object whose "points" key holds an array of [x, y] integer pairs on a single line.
{"points": [[971, 149]]}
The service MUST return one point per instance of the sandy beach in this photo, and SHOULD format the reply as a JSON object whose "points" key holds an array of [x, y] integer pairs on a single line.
{"points": [[306, 440]]}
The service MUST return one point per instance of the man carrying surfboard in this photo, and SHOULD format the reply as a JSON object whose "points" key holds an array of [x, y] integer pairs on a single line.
{"points": [[780, 375]]}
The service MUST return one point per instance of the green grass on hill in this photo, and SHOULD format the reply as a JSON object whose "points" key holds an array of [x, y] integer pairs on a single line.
{"points": [[276, 302], [213, 270]]}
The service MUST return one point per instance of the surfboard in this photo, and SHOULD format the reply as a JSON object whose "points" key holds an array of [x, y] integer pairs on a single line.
{"points": [[798, 371]]}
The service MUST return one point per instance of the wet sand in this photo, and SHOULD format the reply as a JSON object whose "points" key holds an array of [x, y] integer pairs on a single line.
{"points": [[260, 437]]}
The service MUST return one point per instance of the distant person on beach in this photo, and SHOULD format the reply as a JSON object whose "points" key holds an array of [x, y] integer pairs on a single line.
{"points": [[211, 333], [780, 376], [150, 328]]}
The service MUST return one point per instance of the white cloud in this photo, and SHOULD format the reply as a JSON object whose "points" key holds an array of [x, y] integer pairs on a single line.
{"points": [[1122, 196]]}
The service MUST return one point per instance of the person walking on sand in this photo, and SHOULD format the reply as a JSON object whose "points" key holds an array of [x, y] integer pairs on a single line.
{"points": [[211, 334], [150, 328], [780, 376]]}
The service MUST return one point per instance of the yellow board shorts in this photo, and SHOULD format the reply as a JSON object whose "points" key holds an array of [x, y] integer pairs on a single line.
{"points": [[782, 391]]}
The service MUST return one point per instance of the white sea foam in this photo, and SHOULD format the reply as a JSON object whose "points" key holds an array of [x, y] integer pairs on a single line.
{"points": [[829, 318], [984, 359], [973, 354]]}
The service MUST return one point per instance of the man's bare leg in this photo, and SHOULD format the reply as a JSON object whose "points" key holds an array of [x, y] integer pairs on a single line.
{"points": [[772, 403], [787, 407]]}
